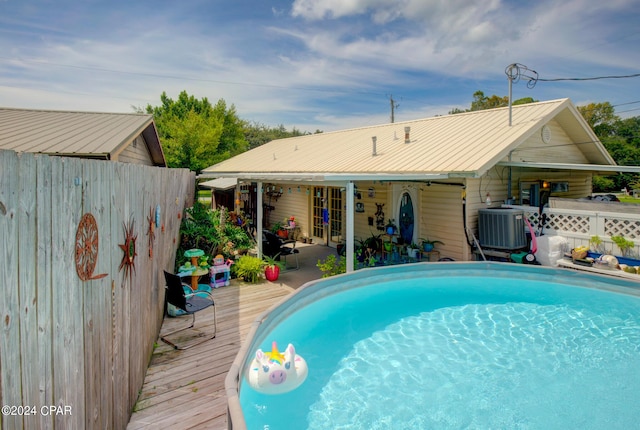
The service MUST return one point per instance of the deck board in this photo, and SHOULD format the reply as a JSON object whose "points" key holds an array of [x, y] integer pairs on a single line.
{"points": [[185, 389]]}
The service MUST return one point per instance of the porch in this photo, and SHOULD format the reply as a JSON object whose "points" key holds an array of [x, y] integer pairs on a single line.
{"points": [[185, 389]]}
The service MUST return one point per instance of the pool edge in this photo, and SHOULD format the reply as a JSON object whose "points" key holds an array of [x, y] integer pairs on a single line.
{"points": [[235, 416]]}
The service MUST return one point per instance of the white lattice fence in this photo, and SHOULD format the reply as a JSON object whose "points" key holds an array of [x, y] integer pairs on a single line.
{"points": [[628, 228], [579, 226]]}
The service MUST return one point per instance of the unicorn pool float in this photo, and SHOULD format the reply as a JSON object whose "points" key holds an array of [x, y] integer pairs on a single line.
{"points": [[275, 372]]}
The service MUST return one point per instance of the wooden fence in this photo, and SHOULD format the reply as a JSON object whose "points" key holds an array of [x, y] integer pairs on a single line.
{"points": [[73, 353]]}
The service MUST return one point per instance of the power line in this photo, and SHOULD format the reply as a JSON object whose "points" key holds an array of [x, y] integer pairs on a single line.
{"points": [[517, 71], [635, 75]]}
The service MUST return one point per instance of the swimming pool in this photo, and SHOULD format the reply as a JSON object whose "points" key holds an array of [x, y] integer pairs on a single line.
{"points": [[452, 345]]}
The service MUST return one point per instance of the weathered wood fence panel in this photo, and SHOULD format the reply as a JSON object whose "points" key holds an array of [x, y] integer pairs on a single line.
{"points": [[81, 347], [11, 386]]}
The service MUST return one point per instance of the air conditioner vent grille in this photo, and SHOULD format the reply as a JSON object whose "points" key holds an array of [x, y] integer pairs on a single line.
{"points": [[501, 228]]}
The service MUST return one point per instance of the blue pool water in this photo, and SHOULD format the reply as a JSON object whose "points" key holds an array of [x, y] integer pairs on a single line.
{"points": [[451, 348]]}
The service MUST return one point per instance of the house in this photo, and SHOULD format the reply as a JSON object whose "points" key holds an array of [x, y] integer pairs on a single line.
{"points": [[128, 138], [429, 175]]}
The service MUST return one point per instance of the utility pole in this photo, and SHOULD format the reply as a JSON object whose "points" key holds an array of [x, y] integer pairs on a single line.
{"points": [[514, 73], [393, 108]]}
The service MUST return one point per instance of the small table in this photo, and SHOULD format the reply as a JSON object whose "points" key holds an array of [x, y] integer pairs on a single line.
{"points": [[292, 231], [195, 273], [195, 269]]}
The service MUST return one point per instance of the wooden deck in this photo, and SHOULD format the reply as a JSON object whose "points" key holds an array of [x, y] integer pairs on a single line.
{"points": [[185, 389]]}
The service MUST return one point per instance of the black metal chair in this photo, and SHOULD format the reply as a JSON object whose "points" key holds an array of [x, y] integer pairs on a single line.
{"points": [[275, 247], [189, 304]]}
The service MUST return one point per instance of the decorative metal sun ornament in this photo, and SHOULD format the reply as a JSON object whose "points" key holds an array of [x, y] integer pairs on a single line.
{"points": [[87, 248], [129, 248]]}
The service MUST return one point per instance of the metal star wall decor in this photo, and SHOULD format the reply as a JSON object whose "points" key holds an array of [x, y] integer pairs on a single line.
{"points": [[129, 248]]}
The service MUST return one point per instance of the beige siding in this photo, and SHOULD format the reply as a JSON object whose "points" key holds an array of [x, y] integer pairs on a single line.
{"points": [[137, 153], [560, 147], [441, 219], [579, 182], [291, 203], [381, 195], [496, 183]]}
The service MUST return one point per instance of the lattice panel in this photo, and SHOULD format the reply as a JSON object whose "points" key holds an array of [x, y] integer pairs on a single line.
{"points": [[630, 229], [563, 222]]}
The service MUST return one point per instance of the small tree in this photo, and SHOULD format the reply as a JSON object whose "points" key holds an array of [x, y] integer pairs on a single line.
{"points": [[625, 245], [195, 134]]}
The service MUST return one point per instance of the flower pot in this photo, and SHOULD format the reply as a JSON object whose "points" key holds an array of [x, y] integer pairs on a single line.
{"points": [[283, 234], [412, 252], [271, 273], [390, 230], [428, 247]]}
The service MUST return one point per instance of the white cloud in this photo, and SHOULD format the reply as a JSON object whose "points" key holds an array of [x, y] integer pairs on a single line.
{"points": [[327, 64]]}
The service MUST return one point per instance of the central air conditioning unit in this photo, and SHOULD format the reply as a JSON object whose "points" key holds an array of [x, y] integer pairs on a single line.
{"points": [[501, 228]]}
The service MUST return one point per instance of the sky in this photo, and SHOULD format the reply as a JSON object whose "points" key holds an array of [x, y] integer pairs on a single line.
{"points": [[316, 64]]}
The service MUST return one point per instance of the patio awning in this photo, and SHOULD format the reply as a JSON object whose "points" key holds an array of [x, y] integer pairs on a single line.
{"points": [[220, 183], [598, 168]]}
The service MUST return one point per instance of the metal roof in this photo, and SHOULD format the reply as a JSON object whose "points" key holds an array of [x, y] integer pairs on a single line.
{"points": [[466, 144], [220, 183], [80, 134]]}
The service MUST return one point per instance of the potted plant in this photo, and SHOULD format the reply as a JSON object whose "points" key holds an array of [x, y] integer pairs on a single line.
{"points": [[596, 244], [623, 244], [272, 267], [278, 229], [249, 268], [391, 228], [412, 250], [369, 247], [428, 245]]}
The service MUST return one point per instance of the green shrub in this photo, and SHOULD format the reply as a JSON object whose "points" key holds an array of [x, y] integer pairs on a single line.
{"points": [[212, 231], [332, 266], [249, 268], [625, 245]]}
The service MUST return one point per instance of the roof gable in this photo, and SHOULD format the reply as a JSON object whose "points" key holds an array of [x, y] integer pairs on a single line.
{"points": [[461, 144], [80, 134]]}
